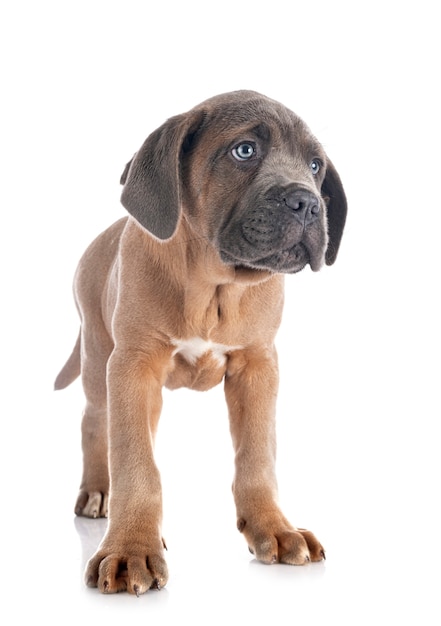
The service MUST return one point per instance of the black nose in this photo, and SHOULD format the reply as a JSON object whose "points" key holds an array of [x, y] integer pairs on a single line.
{"points": [[305, 205]]}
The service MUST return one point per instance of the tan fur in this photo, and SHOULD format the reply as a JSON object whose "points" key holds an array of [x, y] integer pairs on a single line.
{"points": [[149, 305]]}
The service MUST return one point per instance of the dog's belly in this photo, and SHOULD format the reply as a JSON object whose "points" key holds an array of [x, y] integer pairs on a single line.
{"points": [[198, 364]]}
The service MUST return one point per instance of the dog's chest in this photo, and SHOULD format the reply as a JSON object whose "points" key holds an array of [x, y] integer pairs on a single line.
{"points": [[196, 347], [198, 363]]}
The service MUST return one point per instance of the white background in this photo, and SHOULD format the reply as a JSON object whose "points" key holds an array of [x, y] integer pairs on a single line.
{"points": [[83, 84]]}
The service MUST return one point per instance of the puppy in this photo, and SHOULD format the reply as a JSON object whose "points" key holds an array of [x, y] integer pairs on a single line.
{"points": [[187, 290]]}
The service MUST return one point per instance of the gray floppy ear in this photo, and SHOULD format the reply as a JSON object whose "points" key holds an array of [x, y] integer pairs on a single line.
{"points": [[152, 179], [335, 197]]}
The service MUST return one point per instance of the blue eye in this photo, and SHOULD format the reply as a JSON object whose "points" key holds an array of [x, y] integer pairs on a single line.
{"points": [[315, 166], [244, 151]]}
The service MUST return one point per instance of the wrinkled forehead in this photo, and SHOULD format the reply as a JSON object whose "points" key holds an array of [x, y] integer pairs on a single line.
{"points": [[240, 112]]}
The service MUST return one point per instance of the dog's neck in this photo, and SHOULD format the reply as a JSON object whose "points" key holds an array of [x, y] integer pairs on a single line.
{"points": [[180, 257], [211, 287]]}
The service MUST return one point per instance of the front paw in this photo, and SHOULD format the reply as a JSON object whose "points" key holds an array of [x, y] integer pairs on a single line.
{"points": [[281, 543], [131, 568]]}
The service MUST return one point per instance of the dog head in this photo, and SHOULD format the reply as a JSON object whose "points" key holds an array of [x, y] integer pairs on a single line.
{"points": [[245, 173]]}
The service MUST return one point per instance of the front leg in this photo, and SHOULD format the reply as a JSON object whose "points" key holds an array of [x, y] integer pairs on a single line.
{"points": [[130, 556], [251, 387]]}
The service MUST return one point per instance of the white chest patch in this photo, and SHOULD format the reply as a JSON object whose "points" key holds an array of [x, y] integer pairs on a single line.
{"points": [[192, 349]]}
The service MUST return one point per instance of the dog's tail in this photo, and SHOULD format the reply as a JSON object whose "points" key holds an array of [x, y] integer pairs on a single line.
{"points": [[71, 369]]}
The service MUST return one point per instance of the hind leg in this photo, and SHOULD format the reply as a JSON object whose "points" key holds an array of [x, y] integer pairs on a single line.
{"points": [[94, 489]]}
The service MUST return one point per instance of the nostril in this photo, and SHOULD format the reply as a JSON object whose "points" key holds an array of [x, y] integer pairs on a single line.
{"points": [[302, 201], [294, 202]]}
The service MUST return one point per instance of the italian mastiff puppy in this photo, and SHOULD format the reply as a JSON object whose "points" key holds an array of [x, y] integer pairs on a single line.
{"points": [[187, 290]]}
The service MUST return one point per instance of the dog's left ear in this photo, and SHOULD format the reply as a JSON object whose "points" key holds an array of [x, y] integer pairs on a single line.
{"points": [[152, 179], [334, 195]]}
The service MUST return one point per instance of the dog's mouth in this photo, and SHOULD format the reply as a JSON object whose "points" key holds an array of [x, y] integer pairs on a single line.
{"points": [[289, 261], [274, 239]]}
